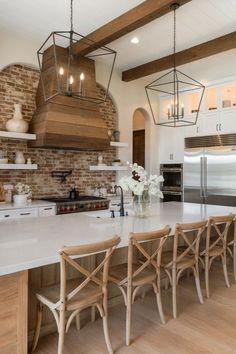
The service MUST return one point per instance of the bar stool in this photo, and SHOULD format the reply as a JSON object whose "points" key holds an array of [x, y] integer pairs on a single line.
{"points": [[185, 255], [72, 296], [131, 276], [231, 248], [216, 245]]}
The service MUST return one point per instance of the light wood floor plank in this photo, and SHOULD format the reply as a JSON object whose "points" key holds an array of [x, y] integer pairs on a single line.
{"points": [[199, 329]]}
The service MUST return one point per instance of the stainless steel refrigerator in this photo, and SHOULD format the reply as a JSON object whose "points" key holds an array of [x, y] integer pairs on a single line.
{"points": [[209, 176]]}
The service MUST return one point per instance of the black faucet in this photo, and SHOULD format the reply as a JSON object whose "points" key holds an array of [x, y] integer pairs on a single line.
{"points": [[122, 210]]}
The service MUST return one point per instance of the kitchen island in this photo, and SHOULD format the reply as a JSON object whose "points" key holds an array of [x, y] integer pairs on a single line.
{"points": [[34, 242]]}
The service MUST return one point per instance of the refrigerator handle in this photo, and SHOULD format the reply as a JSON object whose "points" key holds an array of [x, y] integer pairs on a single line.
{"points": [[201, 177], [205, 176]]}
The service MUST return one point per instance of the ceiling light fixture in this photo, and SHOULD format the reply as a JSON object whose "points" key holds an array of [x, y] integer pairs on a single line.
{"points": [[67, 66], [134, 40], [170, 88]]}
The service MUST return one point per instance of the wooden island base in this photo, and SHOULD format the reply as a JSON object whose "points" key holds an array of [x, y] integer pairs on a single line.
{"points": [[13, 313]]}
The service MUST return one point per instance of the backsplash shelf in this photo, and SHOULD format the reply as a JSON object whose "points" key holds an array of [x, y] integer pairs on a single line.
{"points": [[118, 144], [107, 168], [19, 136], [14, 166]]}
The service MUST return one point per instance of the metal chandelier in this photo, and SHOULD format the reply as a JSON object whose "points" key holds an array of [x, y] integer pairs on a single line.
{"points": [[170, 88], [67, 66]]}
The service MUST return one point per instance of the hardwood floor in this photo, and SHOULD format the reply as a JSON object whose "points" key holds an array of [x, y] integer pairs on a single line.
{"points": [[199, 329]]}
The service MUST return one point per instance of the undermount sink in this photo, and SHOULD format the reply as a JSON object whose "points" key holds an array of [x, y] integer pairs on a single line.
{"points": [[102, 214]]}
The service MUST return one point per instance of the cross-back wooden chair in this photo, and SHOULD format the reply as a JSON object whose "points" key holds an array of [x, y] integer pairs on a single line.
{"points": [[131, 276], [231, 247], [67, 299], [185, 255], [216, 245]]}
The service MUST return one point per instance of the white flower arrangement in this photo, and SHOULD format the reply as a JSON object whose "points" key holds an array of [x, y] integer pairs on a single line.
{"points": [[21, 188], [139, 182]]}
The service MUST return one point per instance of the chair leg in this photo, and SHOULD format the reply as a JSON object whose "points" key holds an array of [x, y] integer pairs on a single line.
{"points": [[38, 326], [61, 332], [167, 281], [93, 314], [159, 302], [198, 286], [128, 314], [105, 326], [234, 259], [77, 321], [207, 277], [223, 258], [174, 285]]}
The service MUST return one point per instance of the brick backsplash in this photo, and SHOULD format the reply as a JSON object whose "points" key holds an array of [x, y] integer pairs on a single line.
{"points": [[18, 84]]}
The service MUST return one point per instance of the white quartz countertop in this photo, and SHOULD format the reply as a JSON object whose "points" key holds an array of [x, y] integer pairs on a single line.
{"points": [[34, 242], [33, 204]]}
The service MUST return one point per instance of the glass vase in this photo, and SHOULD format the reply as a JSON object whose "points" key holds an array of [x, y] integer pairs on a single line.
{"points": [[141, 204]]}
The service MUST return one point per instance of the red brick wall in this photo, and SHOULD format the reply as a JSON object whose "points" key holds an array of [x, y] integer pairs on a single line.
{"points": [[18, 84]]}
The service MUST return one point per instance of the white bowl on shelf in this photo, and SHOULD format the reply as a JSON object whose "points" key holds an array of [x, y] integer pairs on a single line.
{"points": [[116, 164]]}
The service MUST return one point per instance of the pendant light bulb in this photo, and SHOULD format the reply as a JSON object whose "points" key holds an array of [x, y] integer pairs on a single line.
{"points": [[71, 80], [82, 76], [61, 71]]}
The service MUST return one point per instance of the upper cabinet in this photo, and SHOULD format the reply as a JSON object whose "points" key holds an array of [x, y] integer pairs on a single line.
{"points": [[217, 113]]}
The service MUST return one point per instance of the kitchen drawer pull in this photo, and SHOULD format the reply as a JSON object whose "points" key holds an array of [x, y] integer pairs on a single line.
{"points": [[47, 208], [6, 216], [24, 214]]}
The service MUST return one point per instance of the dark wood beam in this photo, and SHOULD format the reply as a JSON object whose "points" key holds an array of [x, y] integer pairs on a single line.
{"points": [[204, 50], [137, 17]]}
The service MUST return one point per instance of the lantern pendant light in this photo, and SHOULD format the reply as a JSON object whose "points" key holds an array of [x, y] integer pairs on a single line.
{"points": [[67, 66], [170, 88]]}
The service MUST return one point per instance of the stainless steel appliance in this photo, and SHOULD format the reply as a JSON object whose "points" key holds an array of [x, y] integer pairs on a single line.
{"points": [[82, 203], [172, 187], [210, 176]]}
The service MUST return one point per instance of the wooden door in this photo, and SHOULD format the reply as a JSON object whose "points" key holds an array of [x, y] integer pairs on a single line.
{"points": [[139, 147]]}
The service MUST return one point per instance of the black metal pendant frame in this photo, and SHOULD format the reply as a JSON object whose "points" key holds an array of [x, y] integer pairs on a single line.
{"points": [[174, 84], [72, 38]]}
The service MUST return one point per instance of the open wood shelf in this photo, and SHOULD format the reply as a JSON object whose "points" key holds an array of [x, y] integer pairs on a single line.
{"points": [[15, 166], [107, 168], [118, 144], [19, 136]]}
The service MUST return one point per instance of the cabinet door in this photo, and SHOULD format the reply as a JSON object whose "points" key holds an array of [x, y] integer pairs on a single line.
{"points": [[227, 122], [195, 130], [211, 123], [18, 213], [171, 144], [47, 210]]}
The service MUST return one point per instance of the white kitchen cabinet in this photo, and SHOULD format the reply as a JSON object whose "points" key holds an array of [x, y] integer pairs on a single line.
{"points": [[18, 213], [171, 144], [196, 129], [35, 210], [47, 211]]}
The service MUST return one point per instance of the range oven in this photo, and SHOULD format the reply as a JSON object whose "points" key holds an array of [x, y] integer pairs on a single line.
{"points": [[172, 187], [81, 203]]}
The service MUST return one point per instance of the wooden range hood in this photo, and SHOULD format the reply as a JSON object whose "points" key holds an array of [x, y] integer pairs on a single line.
{"points": [[66, 122]]}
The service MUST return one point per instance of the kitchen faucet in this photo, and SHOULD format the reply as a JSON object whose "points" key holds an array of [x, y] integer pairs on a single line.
{"points": [[122, 211]]}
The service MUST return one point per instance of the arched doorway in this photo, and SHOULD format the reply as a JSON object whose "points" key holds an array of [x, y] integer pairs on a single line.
{"points": [[141, 138]]}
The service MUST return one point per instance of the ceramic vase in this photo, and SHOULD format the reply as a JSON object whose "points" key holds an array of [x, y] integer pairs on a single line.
{"points": [[19, 157], [20, 199], [17, 124]]}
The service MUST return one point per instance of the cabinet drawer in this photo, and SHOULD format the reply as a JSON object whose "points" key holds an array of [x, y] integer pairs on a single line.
{"points": [[18, 213], [47, 210]]}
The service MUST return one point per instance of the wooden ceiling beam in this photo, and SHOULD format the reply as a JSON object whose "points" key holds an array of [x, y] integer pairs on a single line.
{"points": [[204, 50], [139, 16]]}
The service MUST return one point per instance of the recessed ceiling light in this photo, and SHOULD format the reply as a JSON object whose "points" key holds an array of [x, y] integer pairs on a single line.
{"points": [[135, 40]]}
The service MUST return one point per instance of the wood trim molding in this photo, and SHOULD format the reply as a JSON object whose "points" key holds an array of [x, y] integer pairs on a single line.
{"points": [[203, 50], [139, 16]]}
